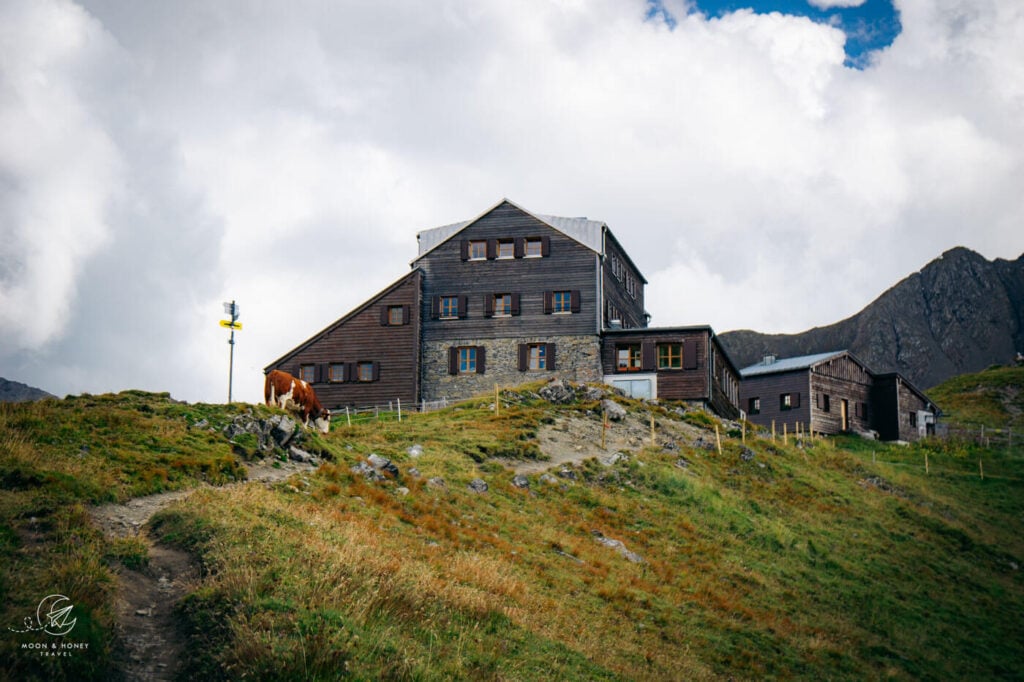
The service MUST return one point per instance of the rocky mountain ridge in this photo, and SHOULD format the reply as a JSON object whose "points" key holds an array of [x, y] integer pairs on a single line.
{"points": [[16, 392], [961, 313]]}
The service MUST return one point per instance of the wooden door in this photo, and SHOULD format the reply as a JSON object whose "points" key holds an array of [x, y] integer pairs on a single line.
{"points": [[844, 413]]}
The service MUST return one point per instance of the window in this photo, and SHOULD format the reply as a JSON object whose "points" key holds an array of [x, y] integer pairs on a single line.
{"points": [[478, 250], [533, 248], [467, 360], [449, 306], [502, 304], [506, 248], [826, 403], [365, 371], [396, 315], [307, 373], [537, 356], [336, 372], [629, 358], [786, 401], [754, 406], [561, 302], [913, 418], [670, 356]]}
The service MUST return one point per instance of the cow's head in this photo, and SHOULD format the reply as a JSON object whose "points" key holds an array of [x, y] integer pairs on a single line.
{"points": [[323, 420]]}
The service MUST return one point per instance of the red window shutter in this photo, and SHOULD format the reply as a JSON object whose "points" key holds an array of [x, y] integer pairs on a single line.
{"points": [[453, 360], [463, 306], [515, 304], [520, 247], [689, 354], [481, 359], [545, 246], [406, 314], [464, 249], [648, 357], [435, 307], [375, 375], [550, 359], [524, 357], [574, 300], [488, 305], [549, 302], [492, 249]]}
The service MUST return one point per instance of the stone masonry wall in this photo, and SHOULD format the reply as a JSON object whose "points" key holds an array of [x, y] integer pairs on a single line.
{"points": [[577, 358]]}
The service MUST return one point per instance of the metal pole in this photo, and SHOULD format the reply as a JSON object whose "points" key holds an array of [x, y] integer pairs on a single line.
{"points": [[231, 365]]}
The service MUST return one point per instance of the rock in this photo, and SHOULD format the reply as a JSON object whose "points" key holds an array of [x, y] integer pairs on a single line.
{"points": [[282, 429], [703, 444], [367, 471], [593, 393], [520, 481], [298, 455], [414, 472], [670, 446], [548, 478], [402, 492], [415, 451], [565, 472], [383, 464], [683, 463], [437, 482], [746, 454], [478, 485], [557, 391], [613, 410], [201, 424], [618, 546], [614, 458]]}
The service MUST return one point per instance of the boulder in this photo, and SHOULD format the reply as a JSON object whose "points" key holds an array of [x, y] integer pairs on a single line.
{"points": [[614, 458], [618, 546], [746, 454], [367, 471], [437, 482], [478, 485], [415, 451], [282, 429], [548, 478], [557, 391], [299, 455], [520, 481], [613, 410]]}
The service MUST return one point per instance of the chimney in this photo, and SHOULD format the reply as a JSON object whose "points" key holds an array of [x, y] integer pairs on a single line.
{"points": [[615, 324], [769, 359]]}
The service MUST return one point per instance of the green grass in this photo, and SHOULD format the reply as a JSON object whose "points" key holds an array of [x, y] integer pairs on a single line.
{"points": [[993, 398], [841, 559]]}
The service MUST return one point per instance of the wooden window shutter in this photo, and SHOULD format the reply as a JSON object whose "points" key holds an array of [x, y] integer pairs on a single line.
{"points": [[689, 354], [384, 319], [648, 357], [453, 360], [353, 371], [463, 306], [545, 246], [549, 302], [515, 304], [574, 300], [796, 400], [406, 314], [817, 399], [464, 249], [492, 249], [488, 305], [435, 307], [550, 353], [481, 359], [375, 369], [524, 357], [520, 247]]}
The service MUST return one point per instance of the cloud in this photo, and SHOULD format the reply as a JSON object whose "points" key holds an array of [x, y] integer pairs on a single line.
{"points": [[159, 159], [832, 4]]}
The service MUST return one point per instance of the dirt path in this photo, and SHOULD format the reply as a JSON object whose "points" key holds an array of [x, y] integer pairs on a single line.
{"points": [[574, 439], [151, 643]]}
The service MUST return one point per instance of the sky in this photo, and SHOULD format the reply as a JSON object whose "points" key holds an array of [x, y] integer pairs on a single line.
{"points": [[772, 168]]}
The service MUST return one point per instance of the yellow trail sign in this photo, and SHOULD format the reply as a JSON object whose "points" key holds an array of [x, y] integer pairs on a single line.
{"points": [[230, 325]]}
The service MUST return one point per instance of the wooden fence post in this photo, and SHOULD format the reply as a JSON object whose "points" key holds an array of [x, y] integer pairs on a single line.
{"points": [[652, 430], [718, 439], [926, 469], [773, 430], [785, 433], [604, 428], [981, 469], [743, 431], [348, 416], [399, 408]]}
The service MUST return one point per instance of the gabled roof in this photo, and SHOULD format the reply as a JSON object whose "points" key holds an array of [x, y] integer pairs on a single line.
{"points": [[589, 233], [792, 364], [348, 316]]}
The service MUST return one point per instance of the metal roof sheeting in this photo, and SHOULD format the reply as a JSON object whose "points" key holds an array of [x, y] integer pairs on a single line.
{"points": [[789, 364]]}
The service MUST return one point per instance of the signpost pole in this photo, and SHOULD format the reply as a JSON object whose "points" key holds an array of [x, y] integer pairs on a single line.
{"points": [[232, 310]]}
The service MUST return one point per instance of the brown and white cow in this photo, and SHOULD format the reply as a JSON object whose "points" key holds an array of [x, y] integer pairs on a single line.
{"points": [[283, 390]]}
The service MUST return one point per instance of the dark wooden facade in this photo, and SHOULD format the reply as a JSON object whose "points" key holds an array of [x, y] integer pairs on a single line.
{"points": [[903, 412], [622, 288], [763, 399], [565, 265], [686, 363], [841, 396], [368, 357]]}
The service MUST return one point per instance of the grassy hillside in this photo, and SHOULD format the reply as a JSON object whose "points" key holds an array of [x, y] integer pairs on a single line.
{"points": [[993, 398], [837, 559]]}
